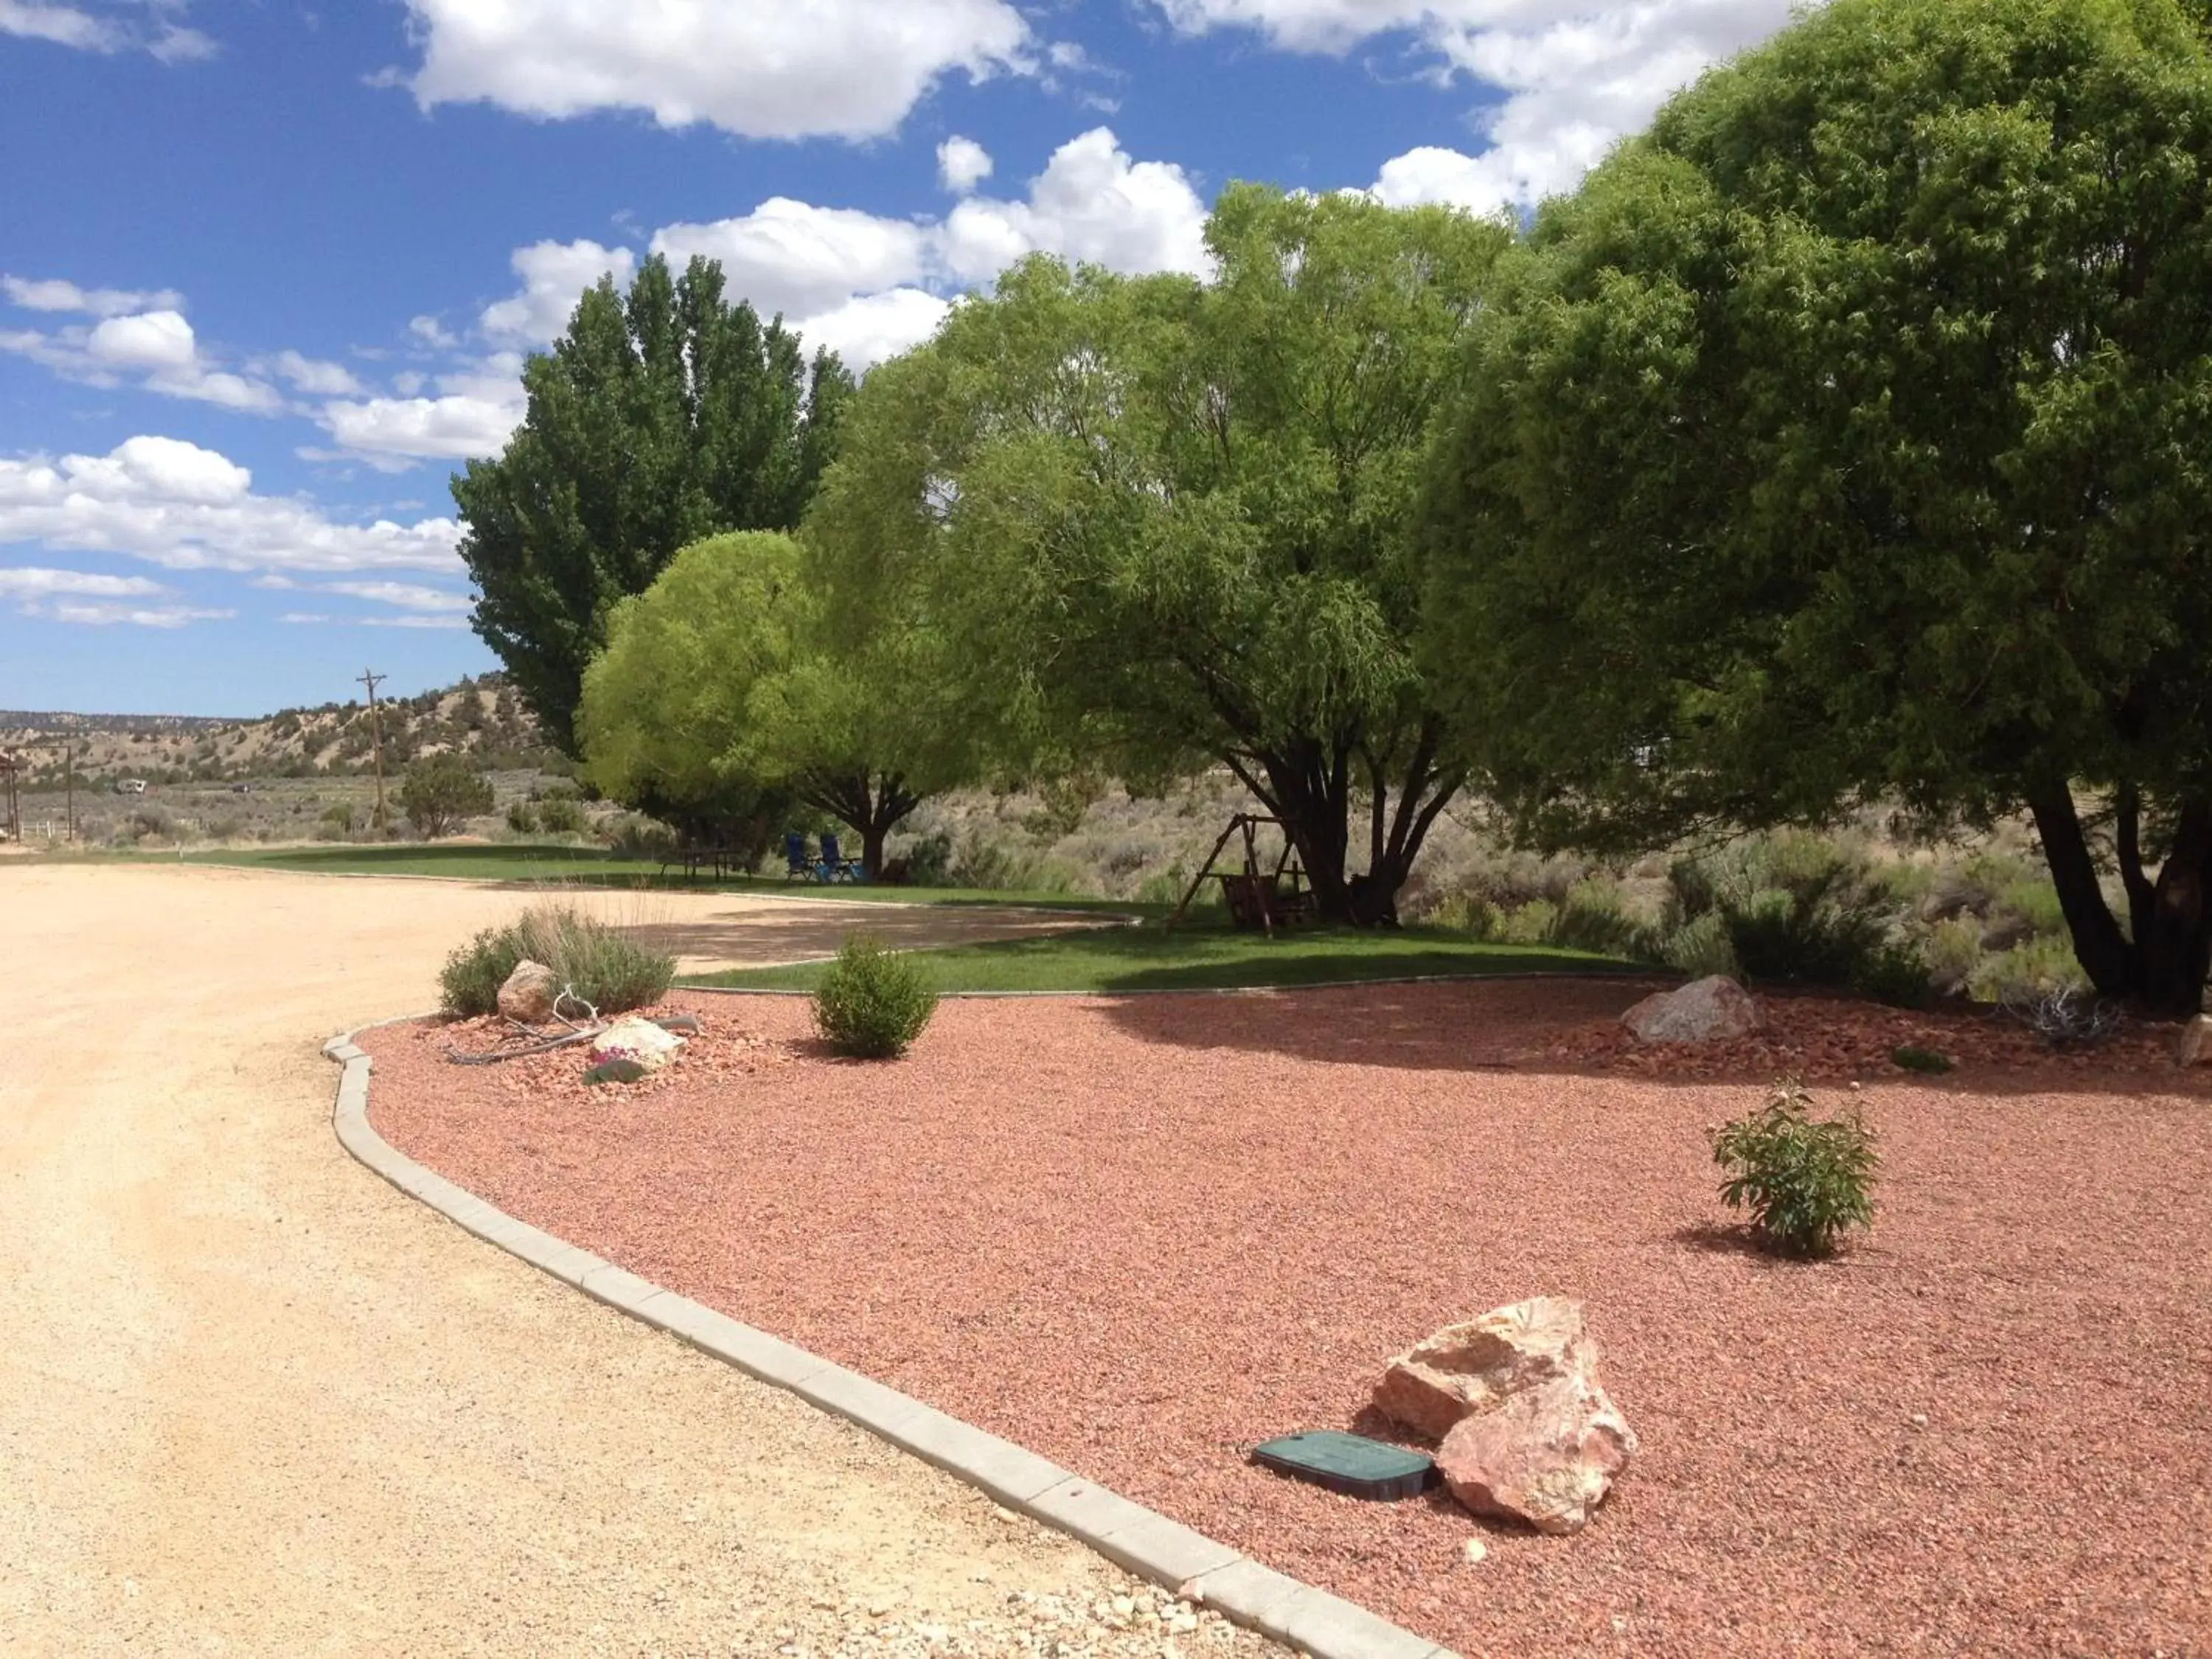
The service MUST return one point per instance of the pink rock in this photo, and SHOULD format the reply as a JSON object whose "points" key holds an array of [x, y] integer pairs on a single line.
{"points": [[1546, 1456], [1473, 1367], [1710, 1009]]}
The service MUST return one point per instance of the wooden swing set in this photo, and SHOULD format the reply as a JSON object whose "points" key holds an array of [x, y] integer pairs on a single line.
{"points": [[1259, 899]]}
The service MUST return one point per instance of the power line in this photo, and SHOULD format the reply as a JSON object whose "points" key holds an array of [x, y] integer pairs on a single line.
{"points": [[376, 737]]}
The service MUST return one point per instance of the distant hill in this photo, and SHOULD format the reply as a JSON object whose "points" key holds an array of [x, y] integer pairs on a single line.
{"points": [[482, 718]]}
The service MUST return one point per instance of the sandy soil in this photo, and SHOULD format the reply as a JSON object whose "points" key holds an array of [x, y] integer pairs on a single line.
{"points": [[1142, 1235], [254, 1401]]}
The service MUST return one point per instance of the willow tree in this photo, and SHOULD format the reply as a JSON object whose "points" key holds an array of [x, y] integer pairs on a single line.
{"points": [[1846, 438], [721, 700], [658, 418], [1169, 522]]}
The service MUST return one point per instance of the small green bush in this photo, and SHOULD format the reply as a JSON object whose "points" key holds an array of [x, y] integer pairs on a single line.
{"points": [[560, 814], [340, 817], [1895, 972], [521, 817], [1803, 1182], [1924, 1060], [873, 1003], [599, 966], [440, 791]]}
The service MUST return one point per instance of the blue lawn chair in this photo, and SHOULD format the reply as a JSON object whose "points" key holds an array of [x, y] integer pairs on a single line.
{"points": [[834, 866], [801, 867]]}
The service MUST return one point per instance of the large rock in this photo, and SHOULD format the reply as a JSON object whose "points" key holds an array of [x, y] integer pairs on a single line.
{"points": [[2194, 1046], [1476, 1366], [528, 993], [1711, 1010], [638, 1039], [1546, 1456]]}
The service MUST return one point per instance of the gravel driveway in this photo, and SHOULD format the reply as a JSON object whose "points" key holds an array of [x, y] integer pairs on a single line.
{"points": [[253, 1400]]}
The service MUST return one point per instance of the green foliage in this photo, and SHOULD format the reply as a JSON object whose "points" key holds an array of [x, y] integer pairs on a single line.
{"points": [[635, 836], [1164, 521], [1803, 1182], [340, 817], [1847, 435], [521, 817], [873, 1003], [439, 790], [722, 700], [1926, 1061], [560, 814], [1894, 971], [655, 420], [596, 963]]}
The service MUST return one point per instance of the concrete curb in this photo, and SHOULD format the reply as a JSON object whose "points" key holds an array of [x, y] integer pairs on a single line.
{"points": [[1141, 1540]]}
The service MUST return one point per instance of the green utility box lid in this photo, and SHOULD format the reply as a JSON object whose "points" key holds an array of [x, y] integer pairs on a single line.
{"points": [[1349, 1463]]}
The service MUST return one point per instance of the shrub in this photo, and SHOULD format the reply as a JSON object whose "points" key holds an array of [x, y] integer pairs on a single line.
{"points": [[560, 814], [1591, 917], [1803, 1182], [440, 791], [1896, 973], [598, 964], [1701, 948], [633, 836], [1925, 1060], [339, 817], [521, 817], [873, 1003]]}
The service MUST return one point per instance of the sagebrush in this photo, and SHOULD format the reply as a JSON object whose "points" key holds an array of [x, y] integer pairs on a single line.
{"points": [[597, 964], [873, 1002], [1804, 1180]]}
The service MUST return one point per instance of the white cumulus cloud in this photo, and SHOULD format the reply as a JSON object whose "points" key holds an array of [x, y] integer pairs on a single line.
{"points": [[57, 294], [554, 277], [155, 350], [789, 258], [1091, 203], [847, 69], [159, 342], [154, 28], [407, 596], [109, 613], [176, 504], [34, 581], [962, 164], [1576, 76]]}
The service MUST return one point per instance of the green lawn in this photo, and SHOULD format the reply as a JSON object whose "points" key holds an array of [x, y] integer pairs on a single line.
{"points": [[589, 866], [1193, 958]]}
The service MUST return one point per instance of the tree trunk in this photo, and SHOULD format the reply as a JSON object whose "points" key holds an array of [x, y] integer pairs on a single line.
{"points": [[1308, 786], [2160, 961], [870, 805]]}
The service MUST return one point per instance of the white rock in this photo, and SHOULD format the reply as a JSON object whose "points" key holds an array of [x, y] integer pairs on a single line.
{"points": [[636, 1039], [2194, 1046]]}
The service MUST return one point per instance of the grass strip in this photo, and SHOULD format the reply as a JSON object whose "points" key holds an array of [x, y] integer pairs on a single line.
{"points": [[1192, 959]]}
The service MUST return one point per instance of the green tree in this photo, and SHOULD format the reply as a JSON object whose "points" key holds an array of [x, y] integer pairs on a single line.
{"points": [[1846, 438], [720, 689], [655, 420], [439, 790], [1166, 523]]}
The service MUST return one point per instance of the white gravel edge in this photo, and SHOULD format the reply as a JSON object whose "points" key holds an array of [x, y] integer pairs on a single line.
{"points": [[1141, 1540]]}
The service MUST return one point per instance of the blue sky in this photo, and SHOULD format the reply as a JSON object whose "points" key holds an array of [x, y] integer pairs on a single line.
{"points": [[268, 269]]}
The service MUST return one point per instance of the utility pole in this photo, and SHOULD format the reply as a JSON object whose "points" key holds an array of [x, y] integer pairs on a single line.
{"points": [[376, 738], [69, 771]]}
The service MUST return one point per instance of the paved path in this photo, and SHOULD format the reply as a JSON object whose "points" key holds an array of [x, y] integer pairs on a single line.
{"points": [[253, 1400]]}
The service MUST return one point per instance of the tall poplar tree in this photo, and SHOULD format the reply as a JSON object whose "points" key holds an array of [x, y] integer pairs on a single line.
{"points": [[657, 418]]}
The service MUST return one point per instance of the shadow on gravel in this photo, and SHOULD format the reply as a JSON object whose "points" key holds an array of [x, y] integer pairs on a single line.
{"points": [[1476, 1028]]}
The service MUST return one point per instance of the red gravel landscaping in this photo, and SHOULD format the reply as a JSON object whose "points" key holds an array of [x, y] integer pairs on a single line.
{"points": [[1139, 1235]]}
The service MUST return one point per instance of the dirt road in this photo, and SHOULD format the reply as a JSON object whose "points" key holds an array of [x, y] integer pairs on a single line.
{"points": [[253, 1400]]}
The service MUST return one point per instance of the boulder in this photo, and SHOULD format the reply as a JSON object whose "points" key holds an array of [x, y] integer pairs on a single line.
{"points": [[1476, 1366], [1546, 1456], [637, 1040], [1711, 1010], [528, 993], [2194, 1046]]}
